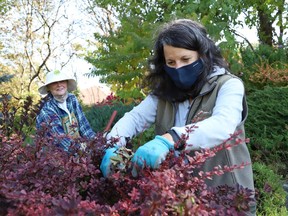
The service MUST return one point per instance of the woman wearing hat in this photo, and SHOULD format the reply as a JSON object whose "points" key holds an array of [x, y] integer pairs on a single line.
{"points": [[62, 112]]}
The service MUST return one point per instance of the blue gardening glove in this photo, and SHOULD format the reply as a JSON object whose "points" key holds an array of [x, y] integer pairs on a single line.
{"points": [[153, 153], [106, 161]]}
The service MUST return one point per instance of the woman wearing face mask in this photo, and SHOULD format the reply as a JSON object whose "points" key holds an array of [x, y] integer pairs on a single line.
{"points": [[191, 86], [61, 112]]}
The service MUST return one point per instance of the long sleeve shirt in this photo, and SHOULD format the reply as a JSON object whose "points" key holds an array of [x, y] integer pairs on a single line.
{"points": [[226, 116], [55, 115]]}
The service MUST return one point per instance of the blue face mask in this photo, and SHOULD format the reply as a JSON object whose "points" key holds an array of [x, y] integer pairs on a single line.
{"points": [[184, 77]]}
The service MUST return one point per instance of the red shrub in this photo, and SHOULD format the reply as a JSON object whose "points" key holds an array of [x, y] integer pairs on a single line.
{"points": [[271, 74], [41, 179]]}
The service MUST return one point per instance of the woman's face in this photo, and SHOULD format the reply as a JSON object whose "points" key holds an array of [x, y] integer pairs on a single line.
{"points": [[58, 88], [176, 57]]}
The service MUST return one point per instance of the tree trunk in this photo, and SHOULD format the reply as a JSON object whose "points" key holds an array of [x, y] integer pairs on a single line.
{"points": [[265, 31]]}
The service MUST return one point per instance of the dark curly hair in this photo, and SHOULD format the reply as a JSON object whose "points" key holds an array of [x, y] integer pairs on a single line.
{"points": [[187, 34]]}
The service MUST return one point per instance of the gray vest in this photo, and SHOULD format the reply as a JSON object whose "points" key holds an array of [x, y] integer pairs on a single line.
{"points": [[201, 108]]}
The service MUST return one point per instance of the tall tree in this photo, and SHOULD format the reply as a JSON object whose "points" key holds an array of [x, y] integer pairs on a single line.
{"points": [[34, 41], [122, 53], [270, 19]]}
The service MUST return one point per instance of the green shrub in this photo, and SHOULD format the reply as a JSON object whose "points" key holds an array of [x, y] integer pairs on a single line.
{"points": [[143, 137], [263, 53], [271, 195], [99, 115], [267, 127]]}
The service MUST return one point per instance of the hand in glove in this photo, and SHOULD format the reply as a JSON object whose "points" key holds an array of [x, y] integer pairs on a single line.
{"points": [[153, 153], [106, 161]]}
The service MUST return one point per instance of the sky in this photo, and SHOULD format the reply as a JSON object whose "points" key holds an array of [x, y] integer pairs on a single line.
{"points": [[78, 66], [250, 34]]}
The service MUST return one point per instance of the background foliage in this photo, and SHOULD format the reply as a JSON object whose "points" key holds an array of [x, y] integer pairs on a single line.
{"points": [[271, 196], [100, 113], [122, 44], [267, 127], [128, 46]]}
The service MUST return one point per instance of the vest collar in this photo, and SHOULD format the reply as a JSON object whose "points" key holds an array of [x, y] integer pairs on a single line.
{"points": [[212, 80]]}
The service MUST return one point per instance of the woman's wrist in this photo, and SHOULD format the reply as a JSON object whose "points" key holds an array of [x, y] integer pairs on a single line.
{"points": [[168, 137]]}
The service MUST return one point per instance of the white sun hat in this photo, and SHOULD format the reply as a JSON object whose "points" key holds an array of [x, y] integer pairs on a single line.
{"points": [[56, 76]]}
